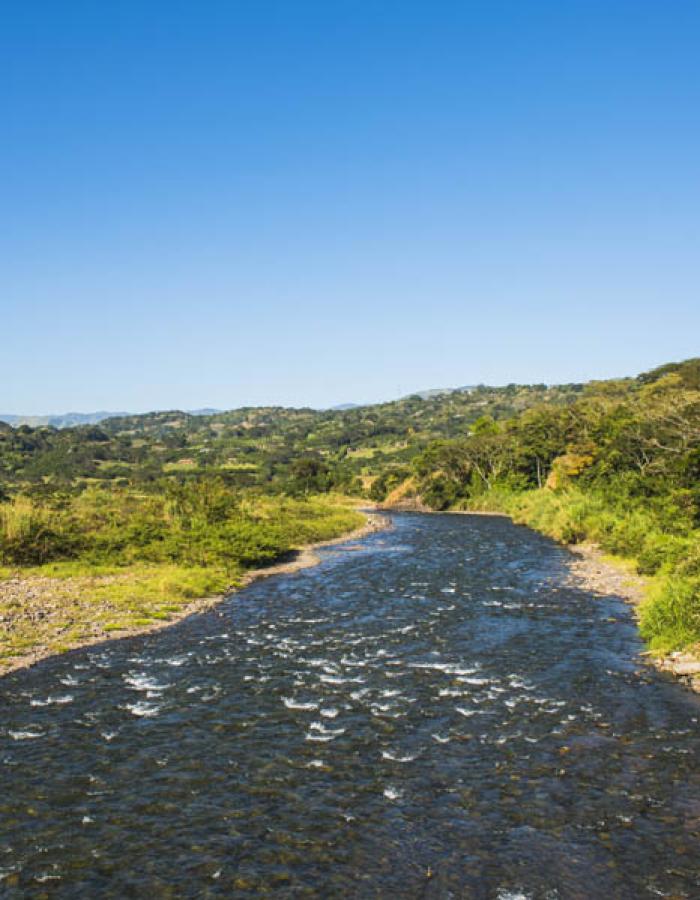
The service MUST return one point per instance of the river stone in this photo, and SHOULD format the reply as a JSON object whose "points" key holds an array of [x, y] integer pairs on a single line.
{"points": [[687, 667]]}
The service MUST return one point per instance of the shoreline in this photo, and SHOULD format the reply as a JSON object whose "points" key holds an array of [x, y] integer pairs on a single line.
{"points": [[306, 557], [605, 575], [599, 574], [412, 506], [303, 558], [602, 575]]}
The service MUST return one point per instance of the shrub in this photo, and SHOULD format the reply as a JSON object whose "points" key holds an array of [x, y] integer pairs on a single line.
{"points": [[670, 616], [662, 552], [32, 534]]}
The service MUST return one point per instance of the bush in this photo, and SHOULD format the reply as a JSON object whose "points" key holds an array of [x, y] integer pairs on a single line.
{"points": [[440, 493], [670, 616], [662, 552], [32, 534], [689, 566]]}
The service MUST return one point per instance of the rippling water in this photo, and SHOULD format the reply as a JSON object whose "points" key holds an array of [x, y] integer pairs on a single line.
{"points": [[431, 712]]}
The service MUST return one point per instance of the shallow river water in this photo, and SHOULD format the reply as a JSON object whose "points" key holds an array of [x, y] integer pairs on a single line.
{"points": [[431, 712]]}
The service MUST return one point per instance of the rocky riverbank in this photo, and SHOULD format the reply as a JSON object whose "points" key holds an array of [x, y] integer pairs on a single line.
{"points": [[590, 568]]}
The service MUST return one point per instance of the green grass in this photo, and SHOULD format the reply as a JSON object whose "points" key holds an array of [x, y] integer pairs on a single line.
{"points": [[182, 465], [670, 614]]}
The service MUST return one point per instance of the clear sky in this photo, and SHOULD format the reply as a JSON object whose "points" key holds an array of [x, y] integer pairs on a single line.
{"points": [[221, 203]]}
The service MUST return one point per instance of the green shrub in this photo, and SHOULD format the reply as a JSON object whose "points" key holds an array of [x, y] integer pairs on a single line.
{"points": [[662, 552], [198, 526], [670, 616], [31, 534], [689, 566]]}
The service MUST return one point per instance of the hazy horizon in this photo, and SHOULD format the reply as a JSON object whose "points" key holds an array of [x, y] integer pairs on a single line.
{"points": [[342, 402], [309, 205]]}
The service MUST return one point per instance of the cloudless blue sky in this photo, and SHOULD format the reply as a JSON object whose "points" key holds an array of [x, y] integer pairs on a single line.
{"points": [[221, 203]]}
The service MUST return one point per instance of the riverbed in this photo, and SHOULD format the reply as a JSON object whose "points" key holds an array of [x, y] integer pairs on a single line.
{"points": [[437, 710]]}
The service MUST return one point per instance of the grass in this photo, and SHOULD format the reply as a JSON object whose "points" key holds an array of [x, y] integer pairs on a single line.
{"points": [[372, 452], [62, 606], [670, 614], [181, 465]]}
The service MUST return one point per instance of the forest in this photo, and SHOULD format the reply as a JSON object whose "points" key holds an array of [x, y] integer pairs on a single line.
{"points": [[616, 462]]}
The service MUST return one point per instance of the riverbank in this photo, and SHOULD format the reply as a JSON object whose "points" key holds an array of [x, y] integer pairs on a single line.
{"points": [[41, 615], [306, 557], [600, 573], [605, 575]]}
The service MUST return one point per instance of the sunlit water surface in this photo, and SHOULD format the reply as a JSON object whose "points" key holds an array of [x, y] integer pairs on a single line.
{"points": [[432, 712]]}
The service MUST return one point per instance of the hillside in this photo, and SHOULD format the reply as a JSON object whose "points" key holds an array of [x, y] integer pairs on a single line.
{"points": [[71, 419], [257, 446]]}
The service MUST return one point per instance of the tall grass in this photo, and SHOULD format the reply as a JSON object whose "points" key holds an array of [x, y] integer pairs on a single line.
{"points": [[670, 614], [199, 526], [30, 532]]}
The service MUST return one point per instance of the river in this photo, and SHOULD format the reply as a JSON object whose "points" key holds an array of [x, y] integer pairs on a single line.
{"points": [[434, 711]]}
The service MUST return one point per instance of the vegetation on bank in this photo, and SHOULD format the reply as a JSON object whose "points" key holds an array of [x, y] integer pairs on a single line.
{"points": [[198, 524], [617, 462]]}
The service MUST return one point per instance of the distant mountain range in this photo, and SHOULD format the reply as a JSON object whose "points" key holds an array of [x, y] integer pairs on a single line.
{"points": [[64, 420], [68, 420]]}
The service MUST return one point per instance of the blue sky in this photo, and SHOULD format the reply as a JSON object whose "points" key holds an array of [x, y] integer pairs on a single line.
{"points": [[230, 203]]}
